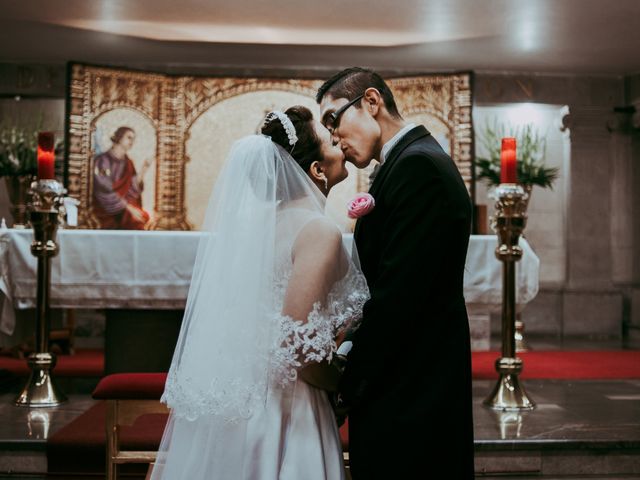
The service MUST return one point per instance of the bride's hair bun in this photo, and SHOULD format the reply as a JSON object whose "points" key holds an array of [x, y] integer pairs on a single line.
{"points": [[286, 123], [306, 149]]}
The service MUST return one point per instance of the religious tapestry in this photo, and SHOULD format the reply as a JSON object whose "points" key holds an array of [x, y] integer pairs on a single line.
{"points": [[145, 149]]}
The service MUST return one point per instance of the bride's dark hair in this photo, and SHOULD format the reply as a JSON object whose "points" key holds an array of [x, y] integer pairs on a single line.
{"points": [[307, 148]]}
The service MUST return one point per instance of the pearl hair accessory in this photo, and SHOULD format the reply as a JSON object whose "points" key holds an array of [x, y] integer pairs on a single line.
{"points": [[286, 123]]}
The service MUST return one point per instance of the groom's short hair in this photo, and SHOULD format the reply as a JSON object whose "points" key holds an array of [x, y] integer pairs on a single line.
{"points": [[351, 82]]}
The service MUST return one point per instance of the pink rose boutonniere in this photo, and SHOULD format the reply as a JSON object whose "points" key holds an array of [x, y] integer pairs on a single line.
{"points": [[361, 205]]}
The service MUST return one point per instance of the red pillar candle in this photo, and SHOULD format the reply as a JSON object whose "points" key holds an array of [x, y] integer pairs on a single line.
{"points": [[508, 168], [46, 156]]}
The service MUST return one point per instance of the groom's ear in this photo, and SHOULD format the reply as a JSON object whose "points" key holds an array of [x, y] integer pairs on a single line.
{"points": [[373, 101]]}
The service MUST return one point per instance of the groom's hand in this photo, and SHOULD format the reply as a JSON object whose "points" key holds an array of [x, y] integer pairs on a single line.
{"points": [[339, 361], [340, 407]]}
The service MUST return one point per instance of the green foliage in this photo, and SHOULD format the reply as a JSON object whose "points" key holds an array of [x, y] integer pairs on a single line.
{"points": [[18, 145], [530, 153]]}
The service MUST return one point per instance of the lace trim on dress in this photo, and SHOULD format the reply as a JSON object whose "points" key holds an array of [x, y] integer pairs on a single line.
{"points": [[299, 343], [296, 343]]}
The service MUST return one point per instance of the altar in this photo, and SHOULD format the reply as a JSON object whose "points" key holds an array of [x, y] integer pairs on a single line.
{"points": [[151, 270]]}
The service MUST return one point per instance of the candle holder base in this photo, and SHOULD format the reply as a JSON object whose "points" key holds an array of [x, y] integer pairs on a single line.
{"points": [[508, 394], [41, 390]]}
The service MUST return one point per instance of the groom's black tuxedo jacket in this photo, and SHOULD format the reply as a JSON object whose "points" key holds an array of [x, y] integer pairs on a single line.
{"points": [[408, 375]]}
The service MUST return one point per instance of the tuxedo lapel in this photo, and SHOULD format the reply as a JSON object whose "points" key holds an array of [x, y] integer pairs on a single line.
{"points": [[413, 135]]}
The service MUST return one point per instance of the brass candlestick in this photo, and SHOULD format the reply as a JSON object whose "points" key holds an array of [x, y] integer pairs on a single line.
{"points": [[41, 390], [509, 222]]}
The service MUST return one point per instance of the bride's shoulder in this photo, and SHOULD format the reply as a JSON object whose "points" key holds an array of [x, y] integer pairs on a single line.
{"points": [[323, 226], [319, 232]]}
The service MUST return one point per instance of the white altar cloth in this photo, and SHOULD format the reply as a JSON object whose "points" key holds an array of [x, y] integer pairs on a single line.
{"points": [[152, 269]]}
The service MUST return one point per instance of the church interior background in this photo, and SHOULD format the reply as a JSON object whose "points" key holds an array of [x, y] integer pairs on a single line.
{"points": [[188, 81]]}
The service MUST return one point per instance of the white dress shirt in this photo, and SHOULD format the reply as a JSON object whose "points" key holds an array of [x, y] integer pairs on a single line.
{"points": [[387, 147]]}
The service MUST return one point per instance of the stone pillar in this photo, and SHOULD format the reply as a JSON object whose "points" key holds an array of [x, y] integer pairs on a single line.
{"points": [[591, 303], [625, 207], [619, 125]]}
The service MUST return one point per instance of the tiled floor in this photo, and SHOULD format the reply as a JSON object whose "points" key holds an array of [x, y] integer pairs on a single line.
{"points": [[24, 431], [577, 414], [585, 429], [32, 426], [579, 429]]}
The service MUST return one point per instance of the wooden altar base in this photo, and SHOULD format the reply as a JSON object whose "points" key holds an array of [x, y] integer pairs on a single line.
{"points": [[580, 429]]}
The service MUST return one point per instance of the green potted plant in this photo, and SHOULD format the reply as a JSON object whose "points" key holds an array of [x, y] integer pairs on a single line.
{"points": [[17, 151], [530, 153], [18, 164]]}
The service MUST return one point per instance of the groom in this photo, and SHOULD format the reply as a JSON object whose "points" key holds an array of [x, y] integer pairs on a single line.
{"points": [[407, 381]]}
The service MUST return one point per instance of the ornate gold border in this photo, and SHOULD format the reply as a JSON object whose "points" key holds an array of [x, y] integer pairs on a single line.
{"points": [[173, 104], [94, 91], [195, 96], [449, 99]]}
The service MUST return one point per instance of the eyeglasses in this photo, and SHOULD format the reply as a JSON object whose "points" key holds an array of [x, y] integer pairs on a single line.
{"points": [[332, 121]]}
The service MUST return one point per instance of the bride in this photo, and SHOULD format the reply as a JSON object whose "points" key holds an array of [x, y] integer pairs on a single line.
{"points": [[273, 288]]}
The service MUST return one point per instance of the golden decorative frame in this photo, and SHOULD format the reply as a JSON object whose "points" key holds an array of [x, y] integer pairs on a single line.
{"points": [[174, 103], [449, 99]]}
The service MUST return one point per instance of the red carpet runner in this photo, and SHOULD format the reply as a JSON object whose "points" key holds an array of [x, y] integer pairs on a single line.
{"points": [[571, 365], [576, 365], [84, 363]]}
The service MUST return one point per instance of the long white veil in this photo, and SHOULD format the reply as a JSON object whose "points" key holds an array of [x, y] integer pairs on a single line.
{"points": [[234, 345], [219, 365]]}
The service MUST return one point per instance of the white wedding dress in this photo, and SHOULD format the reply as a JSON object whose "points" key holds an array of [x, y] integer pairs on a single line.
{"points": [[239, 411]]}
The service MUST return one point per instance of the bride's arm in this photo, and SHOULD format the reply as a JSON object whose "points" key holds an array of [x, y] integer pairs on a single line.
{"points": [[316, 267]]}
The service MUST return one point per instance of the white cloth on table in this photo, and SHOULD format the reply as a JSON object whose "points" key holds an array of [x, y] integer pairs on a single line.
{"points": [[105, 268], [144, 269], [7, 314], [483, 272]]}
